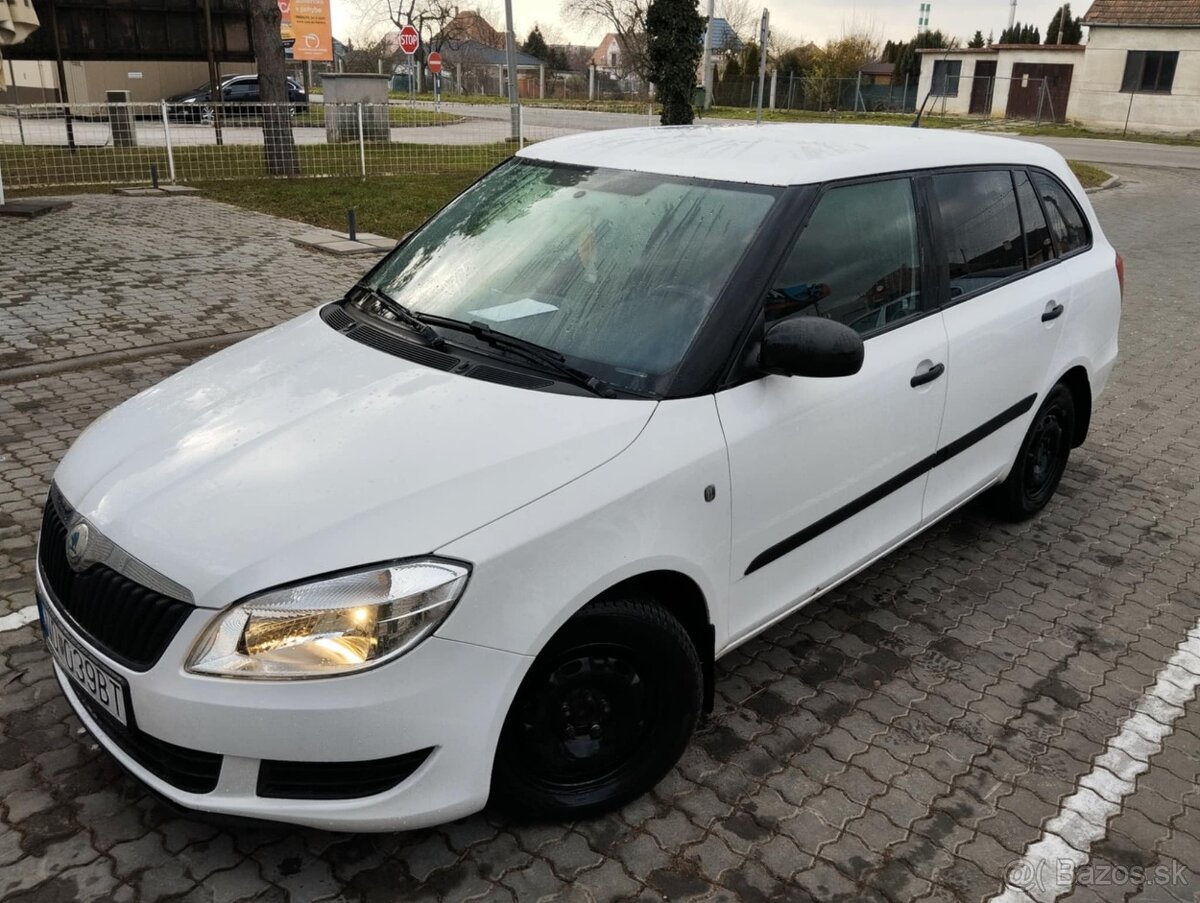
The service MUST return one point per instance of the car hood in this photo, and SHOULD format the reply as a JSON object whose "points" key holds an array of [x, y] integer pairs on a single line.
{"points": [[201, 94], [300, 452]]}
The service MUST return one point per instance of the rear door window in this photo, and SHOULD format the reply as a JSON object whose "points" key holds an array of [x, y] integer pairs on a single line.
{"points": [[1039, 248], [858, 260], [1067, 224], [980, 227]]}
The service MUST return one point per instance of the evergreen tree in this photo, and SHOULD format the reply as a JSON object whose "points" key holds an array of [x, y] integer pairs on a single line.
{"points": [[674, 33], [535, 45], [908, 61], [1072, 32], [750, 58], [977, 41]]}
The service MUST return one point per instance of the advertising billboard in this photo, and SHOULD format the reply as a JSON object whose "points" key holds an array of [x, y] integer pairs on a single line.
{"points": [[307, 34]]}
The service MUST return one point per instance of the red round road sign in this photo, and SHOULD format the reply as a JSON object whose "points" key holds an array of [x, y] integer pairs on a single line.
{"points": [[434, 62], [409, 40]]}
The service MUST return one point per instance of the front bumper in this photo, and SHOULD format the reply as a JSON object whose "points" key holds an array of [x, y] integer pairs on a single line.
{"points": [[445, 697]]}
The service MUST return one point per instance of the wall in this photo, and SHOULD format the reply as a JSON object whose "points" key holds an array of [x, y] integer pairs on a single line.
{"points": [[1097, 99], [28, 82], [1005, 59], [88, 82]]}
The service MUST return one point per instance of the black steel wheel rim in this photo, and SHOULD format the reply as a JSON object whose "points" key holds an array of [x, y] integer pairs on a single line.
{"points": [[587, 715], [1045, 457]]}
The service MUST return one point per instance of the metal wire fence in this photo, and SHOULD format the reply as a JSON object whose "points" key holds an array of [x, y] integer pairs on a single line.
{"points": [[47, 145]]}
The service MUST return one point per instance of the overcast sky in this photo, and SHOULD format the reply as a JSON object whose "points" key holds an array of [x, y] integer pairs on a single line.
{"points": [[815, 20]]}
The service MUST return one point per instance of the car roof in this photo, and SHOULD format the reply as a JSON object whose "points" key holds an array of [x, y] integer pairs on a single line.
{"points": [[787, 154]]}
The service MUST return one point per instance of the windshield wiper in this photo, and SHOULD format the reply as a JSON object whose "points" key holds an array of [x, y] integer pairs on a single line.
{"points": [[424, 331], [546, 358]]}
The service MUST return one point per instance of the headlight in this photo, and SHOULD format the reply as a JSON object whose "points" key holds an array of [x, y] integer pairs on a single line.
{"points": [[332, 626]]}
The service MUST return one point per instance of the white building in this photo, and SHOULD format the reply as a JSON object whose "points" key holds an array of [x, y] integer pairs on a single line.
{"points": [[1018, 81], [1142, 66]]}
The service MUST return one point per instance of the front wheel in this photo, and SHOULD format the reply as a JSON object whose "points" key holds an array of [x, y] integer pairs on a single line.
{"points": [[1042, 459], [604, 712]]}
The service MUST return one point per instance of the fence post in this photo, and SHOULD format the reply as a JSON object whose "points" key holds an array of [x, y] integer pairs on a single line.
{"points": [[362, 145], [1, 188], [521, 126], [20, 124], [904, 102], [166, 121]]}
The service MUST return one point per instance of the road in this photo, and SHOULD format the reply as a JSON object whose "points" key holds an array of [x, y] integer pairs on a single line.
{"points": [[1123, 153], [919, 734], [489, 123]]}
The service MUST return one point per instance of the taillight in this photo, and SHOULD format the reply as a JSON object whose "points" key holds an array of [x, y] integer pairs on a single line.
{"points": [[1121, 273]]}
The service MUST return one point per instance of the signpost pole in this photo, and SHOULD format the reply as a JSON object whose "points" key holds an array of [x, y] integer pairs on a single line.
{"points": [[708, 38], [214, 93], [510, 51], [764, 32]]}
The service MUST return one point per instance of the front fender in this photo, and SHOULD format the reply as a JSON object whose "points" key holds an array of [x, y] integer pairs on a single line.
{"points": [[644, 510]]}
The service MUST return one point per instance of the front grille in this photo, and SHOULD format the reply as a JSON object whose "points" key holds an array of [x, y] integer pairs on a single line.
{"points": [[127, 621], [187, 769], [336, 780]]}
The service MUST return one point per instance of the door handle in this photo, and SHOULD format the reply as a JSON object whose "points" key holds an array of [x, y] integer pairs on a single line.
{"points": [[1053, 311], [928, 376]]}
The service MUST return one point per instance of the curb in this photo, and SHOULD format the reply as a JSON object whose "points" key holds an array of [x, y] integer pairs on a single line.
{"points": [[1112, 182], [104, 358]]}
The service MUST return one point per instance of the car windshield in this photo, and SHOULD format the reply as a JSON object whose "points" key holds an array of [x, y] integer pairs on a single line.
{"points": [[615, 270]]}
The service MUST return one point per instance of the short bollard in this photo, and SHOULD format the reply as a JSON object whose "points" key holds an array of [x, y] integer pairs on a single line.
{"points": [[352, 224], [154, 175]]}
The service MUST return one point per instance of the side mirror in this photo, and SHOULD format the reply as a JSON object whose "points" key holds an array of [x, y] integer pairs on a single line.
{"points": [[811, 346]]}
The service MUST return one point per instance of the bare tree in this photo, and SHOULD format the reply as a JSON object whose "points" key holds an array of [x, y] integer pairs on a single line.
{"points": [[624, 18], [742, 17], [368, 19], [279, 144]]}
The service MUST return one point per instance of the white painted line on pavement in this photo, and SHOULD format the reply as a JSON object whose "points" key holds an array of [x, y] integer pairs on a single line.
{"points": [[26, 615], [1047, 870]]}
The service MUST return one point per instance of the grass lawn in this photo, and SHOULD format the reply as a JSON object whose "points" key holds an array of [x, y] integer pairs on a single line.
{"points": [[931, 121], [389, 206], [1091, 176], [33, 167]]}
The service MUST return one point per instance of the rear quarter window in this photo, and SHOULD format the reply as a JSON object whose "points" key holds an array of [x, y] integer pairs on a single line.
{"points": [[1067, 223]]}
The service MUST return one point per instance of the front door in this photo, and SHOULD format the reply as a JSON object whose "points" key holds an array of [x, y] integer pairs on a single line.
{"points": [[1003, 319], [983, 87], [825, 472]]}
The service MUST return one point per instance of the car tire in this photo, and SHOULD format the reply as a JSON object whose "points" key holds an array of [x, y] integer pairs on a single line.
{"points": [[1042, 459], [603, 714]]}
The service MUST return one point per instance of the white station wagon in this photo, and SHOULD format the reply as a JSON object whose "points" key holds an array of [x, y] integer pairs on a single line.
{"points": [[478, 530]]}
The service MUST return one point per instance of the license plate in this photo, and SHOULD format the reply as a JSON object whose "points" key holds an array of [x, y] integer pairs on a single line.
{"points": [[87, 674]]}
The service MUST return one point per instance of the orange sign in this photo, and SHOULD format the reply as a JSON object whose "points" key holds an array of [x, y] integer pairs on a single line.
{"points": [[306, 31]]}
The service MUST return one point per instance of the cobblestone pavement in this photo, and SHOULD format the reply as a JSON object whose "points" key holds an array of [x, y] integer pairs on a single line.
{"points": [[910, 736]]}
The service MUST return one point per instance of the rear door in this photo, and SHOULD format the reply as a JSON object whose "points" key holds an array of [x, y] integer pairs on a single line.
{"points": [[1003, 315], [826, 473]]}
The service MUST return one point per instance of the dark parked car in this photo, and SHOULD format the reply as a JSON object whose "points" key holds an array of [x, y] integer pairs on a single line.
{"points": [[239, 97]]}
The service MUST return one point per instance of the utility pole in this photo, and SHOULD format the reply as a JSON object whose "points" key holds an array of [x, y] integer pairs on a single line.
{"points": [[510, 47], [763, 34], [707, 80], [1062, 22], [1012, 14]]}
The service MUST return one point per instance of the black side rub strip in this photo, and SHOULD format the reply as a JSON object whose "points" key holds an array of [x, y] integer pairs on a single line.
{"points": [[942, 455]]}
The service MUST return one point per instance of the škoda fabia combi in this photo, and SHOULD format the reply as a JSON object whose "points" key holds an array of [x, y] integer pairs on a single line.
{"points": [[478, 530]]}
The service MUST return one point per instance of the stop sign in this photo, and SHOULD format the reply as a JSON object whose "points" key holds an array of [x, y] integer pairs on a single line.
{"points": [[409, 40], [434, 62]]}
